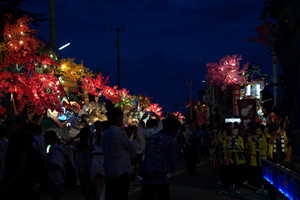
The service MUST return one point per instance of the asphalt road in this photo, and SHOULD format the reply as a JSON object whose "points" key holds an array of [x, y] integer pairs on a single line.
{"points": [[185, 187]]}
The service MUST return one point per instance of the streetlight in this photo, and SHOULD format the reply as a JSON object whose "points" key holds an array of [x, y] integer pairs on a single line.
{"points": [[64, 46]]}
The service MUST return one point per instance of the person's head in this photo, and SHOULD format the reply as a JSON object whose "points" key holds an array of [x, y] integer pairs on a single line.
{"points": [[224, 132], [86, 100], [96, 98], [38, 129], [98, 126], [115, 117], [29, 128], [130, 129], [171, 126], [50, 137], [258, 129], [13, 125], [84, 134], [273, 128], [234, 130], [151, 123]]}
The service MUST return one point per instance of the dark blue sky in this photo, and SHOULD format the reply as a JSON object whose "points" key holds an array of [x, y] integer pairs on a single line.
{"points": [[165, 42]]}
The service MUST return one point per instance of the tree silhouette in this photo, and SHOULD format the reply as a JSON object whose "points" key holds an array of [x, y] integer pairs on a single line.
{"points": [[12, 7]]}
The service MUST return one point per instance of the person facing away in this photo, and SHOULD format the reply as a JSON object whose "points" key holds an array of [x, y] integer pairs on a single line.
{"points": [[152, 125], [159, 163], [16, 179], [191, 147], [117, 147], [56, 166]]}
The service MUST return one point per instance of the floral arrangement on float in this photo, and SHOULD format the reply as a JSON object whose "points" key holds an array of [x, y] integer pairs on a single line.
{"points": [[228, 71], [178, 115], [32, 75], [197, 106]]}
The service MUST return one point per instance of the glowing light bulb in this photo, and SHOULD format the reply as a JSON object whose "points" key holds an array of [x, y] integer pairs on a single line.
{"points": [[45, 66]]}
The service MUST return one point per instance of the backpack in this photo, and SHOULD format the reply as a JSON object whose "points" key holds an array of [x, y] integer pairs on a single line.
{"points": [[70, 174]]}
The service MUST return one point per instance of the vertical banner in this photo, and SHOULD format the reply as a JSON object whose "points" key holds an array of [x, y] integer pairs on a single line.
{"points": [[247, 110]]}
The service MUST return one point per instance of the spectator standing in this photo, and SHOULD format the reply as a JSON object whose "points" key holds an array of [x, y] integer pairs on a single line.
{"points": [[116, 148], [159, 163], [257, 147], [152, 126], [56, 162], [83, 161], [205, 141], [235, 147], [191, 148], [96, 173], [279, 150], [16, 180]]}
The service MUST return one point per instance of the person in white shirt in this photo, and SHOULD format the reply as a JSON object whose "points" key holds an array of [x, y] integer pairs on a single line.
{"points": [[116, 148], [96, 173], [85, 107], [153, 126], [56, 162]]}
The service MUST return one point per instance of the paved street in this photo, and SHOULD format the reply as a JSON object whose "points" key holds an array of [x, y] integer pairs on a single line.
{"points": [[203, 187], [185, 187]]}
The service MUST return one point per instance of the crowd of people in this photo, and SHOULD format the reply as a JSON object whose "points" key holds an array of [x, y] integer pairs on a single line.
{"points": [[108, 156], [236, 152], [103, 158]]}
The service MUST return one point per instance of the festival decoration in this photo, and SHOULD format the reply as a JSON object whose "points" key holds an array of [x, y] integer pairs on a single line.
{"points": [[143, 102], [227, 72], [154, 108], [2, 51], [72, 71], [94, 85], [199, 107], [179, 116], [265, 33], [34, 76], [120, 98], [18, 76]]}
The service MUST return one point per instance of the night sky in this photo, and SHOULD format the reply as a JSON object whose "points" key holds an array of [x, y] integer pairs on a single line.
{"points": [[165, 43]]}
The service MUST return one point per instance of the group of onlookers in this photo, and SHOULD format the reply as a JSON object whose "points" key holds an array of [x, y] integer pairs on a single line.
{"points": [[236, 151], [105, 158]]}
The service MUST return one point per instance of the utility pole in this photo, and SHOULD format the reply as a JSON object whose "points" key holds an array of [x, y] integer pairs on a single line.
{"points": [[52, 25], [118, 29], [189, 84]]}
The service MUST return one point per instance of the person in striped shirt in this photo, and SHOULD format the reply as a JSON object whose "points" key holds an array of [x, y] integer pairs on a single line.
{"points": [[160, 160]]}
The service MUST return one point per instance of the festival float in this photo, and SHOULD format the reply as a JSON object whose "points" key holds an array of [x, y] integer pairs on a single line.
{"points": [[56, 93], [235, 90]]}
